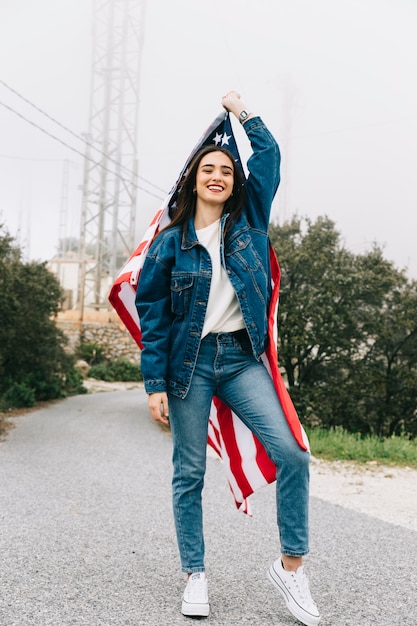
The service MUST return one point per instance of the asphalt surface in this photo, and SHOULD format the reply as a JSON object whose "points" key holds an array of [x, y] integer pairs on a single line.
{"points": [[87, 536]]}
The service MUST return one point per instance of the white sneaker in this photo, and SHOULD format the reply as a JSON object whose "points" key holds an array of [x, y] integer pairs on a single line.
{"points": [[294, 587], [195, 599]]}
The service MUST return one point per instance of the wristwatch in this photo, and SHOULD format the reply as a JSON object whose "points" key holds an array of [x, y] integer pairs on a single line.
{"points": [[243, 116]]}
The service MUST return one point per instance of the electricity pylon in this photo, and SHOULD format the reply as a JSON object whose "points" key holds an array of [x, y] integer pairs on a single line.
{"points": [[110, 163]]}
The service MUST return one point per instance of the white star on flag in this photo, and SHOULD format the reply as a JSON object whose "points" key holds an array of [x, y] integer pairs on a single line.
{"points": [[225, 139], [217, 139]]}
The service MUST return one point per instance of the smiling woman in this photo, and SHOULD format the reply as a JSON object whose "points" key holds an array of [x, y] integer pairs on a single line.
{"points": [[203, 299], [213, 187]]}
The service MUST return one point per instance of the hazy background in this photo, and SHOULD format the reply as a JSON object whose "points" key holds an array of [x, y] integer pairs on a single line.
{"points": [[335, 80]]}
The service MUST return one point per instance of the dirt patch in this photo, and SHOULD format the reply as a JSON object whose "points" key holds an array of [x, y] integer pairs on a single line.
{"points": [[97, 386], [388, 493], [5, 425]]}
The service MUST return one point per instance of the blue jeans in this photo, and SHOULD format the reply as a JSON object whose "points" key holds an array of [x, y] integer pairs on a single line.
{"points": [[226, 368]]}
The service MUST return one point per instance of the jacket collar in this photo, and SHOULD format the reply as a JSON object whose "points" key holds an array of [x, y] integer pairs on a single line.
{"points": [[190, 239], [189, 236]]}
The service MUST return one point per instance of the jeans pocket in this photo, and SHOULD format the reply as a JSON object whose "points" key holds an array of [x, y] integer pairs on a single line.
{"points": [[242, 342]]}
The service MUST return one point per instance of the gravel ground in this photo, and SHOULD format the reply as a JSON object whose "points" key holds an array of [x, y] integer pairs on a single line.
{"points": [[87, 533]]}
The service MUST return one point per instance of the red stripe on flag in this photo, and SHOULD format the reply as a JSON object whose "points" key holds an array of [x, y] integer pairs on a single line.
{"points": [[264, 463], [123, 313], [216, 442], [140, 247], [157, 216], [272, 357], [231, 446]]}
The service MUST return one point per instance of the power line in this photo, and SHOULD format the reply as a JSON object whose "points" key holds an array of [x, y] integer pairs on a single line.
{"points": [[62, 142], [77, 136]]}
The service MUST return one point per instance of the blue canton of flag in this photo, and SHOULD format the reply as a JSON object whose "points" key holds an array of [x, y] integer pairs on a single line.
{"points": [[219, 133]]}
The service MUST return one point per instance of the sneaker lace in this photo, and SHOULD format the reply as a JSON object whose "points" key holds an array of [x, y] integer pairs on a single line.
{"points": [[301, 580], [196, 588], [305, 589]]}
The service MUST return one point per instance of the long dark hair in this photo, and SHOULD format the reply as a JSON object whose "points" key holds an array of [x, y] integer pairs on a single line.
{"points": [[186, 200]]}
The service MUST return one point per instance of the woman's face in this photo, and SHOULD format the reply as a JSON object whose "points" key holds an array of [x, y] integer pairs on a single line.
{"points": [[214, 178]]}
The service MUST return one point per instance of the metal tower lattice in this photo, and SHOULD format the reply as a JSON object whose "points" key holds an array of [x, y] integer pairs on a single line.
{"points": [[110, 164]]}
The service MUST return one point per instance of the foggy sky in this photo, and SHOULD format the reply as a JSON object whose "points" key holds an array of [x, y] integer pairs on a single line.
{"points": [[334, 80]]}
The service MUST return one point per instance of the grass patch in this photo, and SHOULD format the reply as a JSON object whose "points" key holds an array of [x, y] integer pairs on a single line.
{"points": [[339, 445]]}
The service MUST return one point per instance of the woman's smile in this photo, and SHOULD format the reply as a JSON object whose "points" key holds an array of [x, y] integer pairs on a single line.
{"points": [[214, 177]]}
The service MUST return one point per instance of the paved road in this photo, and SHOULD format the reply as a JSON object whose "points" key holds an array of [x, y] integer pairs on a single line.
{"points": [[86, 533]]}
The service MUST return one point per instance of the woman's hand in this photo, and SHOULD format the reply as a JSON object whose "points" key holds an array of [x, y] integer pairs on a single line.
{"points": [[233, 103], [230, 99], [158, 407]]}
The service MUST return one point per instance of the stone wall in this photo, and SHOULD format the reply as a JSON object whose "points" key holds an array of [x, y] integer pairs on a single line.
{"points": [[110, 334]]}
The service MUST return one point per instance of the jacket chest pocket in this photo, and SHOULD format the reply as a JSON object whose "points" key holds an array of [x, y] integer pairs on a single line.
{"points": [[181, 292], [243, 251]]}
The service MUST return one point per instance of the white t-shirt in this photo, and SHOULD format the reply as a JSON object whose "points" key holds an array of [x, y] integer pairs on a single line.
{"points": [[223, 311]]}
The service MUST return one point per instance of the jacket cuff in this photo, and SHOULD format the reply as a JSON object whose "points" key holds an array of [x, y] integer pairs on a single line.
{"points": [[155, 386], [253, 122]]}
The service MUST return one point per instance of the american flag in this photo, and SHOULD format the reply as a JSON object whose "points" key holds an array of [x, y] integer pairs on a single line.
{"points": [[247, 465]]}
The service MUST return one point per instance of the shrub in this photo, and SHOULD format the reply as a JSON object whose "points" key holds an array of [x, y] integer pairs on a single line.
{"points": [[17, 396], [74, 382], [100, 372], [34, 363], [91, 352], [124, 370], [119, 370]]}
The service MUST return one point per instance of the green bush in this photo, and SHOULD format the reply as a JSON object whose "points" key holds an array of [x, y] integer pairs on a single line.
{"points": [[74, 382], [119, 370], [90, 352], [17, 396], [46, 387], [100, 372], [34, 362], [38, 387], [124, 370]]}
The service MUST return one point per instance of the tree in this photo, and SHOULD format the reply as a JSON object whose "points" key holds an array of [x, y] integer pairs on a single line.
{"points": [[389, 364], [347, 341], [34, 364], [317, 328]]}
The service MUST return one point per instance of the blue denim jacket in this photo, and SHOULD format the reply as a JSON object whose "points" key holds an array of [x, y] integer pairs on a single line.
{"points": [[174, 284]]}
